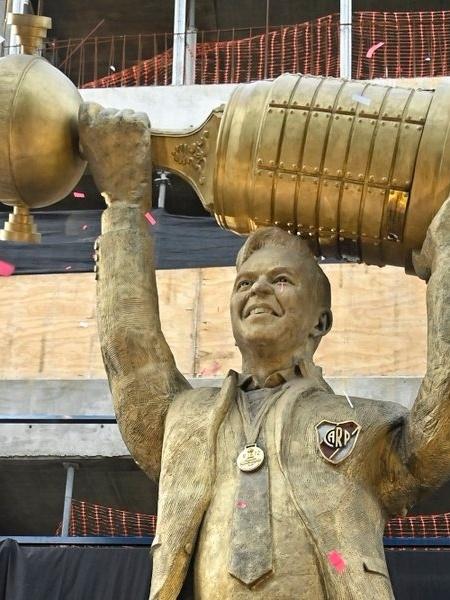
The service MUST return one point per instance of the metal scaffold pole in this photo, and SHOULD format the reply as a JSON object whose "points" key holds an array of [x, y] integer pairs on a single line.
{"points": [[70, 472], [345, 39], [3, 7], [191, 45], [179, 42]]}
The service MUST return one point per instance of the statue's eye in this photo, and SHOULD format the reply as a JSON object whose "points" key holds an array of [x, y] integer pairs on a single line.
{"points": [[245, 283], [281, 279]]}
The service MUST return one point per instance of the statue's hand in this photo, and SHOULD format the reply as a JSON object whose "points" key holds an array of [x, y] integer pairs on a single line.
{"points": [[116, 144], [436, 244]]}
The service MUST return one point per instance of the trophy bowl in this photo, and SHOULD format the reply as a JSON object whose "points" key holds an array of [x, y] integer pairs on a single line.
{"points": [[40, 162]]}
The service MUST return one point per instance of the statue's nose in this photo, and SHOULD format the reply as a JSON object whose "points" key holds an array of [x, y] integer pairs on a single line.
{"points": [[261, 287]]}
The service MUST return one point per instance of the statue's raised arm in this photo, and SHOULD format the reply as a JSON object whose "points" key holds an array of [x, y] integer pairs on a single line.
{"points": [[141, 370], [428, 428], [422, 442]]}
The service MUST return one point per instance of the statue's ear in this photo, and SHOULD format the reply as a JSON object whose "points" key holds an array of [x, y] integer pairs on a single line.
{"points": [[323, 324]]}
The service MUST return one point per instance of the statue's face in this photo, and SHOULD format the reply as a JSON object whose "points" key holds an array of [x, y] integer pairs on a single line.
{"points": [[272, 301]]}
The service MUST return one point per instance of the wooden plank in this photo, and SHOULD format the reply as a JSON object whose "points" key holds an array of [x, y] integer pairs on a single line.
{"points": [[379, 323], [216, 350], [48, 327], [178, 293]]}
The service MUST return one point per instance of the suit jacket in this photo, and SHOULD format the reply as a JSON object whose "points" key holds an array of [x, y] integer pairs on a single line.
{"points": [[344, 507], [171, 429]]}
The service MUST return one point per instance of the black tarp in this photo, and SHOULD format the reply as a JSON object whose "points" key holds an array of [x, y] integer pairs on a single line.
{"points": [[87, 573], [73, 573], [68, 236], [419, 574]]}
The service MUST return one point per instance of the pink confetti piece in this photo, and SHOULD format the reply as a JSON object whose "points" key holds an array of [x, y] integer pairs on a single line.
{"points": [[150, 218], [215, 367], [84, 227], [210, 370], [68, 268], [336, 560], [373, 49], [241, 504], [6, 269], [79, 195]]}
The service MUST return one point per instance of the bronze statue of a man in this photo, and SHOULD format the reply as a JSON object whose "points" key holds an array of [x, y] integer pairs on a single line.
{"points": [[271, 487]]}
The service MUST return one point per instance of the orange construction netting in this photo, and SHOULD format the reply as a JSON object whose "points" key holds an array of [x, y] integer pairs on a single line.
{"points": [[410, 44], [395, 44], [310, 47], [89, 519]]}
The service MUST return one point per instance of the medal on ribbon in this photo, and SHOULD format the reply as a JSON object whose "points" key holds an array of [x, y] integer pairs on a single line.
{"points": [[250, 458]]}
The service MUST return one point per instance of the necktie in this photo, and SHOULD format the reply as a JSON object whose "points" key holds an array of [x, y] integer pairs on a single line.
{"points": [[251, 557], [251, 534]]}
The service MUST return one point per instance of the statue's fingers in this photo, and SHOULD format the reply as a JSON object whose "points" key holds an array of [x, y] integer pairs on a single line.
{"points": [[440, 222], [421, 265], [126, 114], [107, 115], [142, 116], [445, 208], [88, 113], [130, 116], [87, 116]]}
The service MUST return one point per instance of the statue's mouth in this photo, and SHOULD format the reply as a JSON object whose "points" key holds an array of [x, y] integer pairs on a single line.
{"points": [[260, 309]]}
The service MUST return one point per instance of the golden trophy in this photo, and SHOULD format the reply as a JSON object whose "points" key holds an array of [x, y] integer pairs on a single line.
{"points": [[39, 158], [358, 169]]}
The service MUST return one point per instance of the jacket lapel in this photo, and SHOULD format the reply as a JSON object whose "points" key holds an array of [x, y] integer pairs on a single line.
{"points": [[187, 476], [319, 491], [295, 417]]}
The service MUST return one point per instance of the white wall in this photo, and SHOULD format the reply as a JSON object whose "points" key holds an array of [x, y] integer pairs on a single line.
{"points": [[183, 107], [169, 107], [92, 397]]}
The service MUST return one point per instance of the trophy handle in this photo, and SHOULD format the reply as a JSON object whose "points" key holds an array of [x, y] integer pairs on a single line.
{"points": [[191, 155]]}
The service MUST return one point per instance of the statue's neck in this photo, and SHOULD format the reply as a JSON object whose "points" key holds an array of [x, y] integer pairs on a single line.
{"points": [[261, 367]]}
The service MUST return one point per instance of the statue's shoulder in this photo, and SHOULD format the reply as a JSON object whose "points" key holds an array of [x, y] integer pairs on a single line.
{"points": [[193, 400], [370, 409]]}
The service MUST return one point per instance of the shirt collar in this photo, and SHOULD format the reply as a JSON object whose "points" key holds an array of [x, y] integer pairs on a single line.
{"points": [[247, 383]]}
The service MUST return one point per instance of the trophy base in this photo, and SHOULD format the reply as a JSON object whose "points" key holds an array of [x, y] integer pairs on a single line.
{"points": [[20, 227]]}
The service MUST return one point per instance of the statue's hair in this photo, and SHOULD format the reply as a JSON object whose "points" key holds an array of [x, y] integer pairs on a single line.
{"points": [[276, 237]]}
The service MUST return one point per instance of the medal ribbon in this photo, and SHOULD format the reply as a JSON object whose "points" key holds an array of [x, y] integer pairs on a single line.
{"points": [[251, 556], [252, 425]]}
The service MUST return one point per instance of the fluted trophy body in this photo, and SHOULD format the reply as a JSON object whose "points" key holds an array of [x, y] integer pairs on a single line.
{"points": [[358, 169]]}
